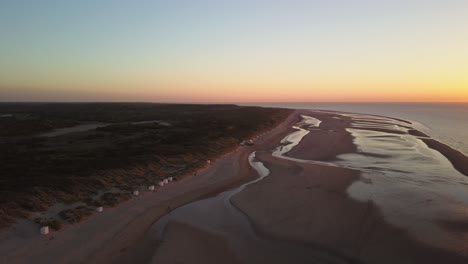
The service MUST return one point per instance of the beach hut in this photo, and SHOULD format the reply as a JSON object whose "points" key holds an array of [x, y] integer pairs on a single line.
{"points": [[170, 179], [151, 188], [208, 162], [161, 183], [166, 181], [44, 230], [136, 192], [99, 209]]}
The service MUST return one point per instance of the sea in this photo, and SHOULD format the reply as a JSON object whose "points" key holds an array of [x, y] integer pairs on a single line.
{"points": [[446, 122]]}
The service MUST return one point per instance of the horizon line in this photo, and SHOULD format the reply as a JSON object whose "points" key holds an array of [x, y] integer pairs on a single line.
{"points": [[239, 102]]}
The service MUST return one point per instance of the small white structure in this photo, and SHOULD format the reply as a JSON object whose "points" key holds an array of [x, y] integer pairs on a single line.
{"points": [[136, 192], [161, 183], [170, 179], [208, 162], [166, 181], [44, 230], [99, 209], [151, 188]]}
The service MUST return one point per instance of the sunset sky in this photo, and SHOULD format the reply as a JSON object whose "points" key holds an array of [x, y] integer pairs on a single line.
{"points": [[234, 51]]}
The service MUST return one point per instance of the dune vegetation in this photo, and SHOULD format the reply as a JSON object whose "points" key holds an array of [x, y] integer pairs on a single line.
{"points": [[100, 166]]}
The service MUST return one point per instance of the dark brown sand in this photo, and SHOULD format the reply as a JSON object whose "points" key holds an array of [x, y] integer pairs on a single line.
{"points": [[417, 133], [305, 204], [458, 159], [309, 204], [186, 244], [327, 142]]}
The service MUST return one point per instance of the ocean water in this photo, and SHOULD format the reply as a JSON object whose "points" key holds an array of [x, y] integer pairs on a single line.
{"points": [[446, 122]]}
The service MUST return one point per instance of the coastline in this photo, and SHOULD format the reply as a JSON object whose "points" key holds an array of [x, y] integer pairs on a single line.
{"points": [[141, 248], [308, 205], [101, 242], [311, 189], [314, 207]]}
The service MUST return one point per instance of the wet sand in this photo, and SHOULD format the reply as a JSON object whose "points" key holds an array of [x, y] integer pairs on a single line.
{"points": [[356, 189], [327, 142], [186, 244], [312, 207], [312, 201], [457, 158]]}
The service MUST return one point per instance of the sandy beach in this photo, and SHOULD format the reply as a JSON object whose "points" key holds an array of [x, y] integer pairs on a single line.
{"points": [[306, 209], [105, 237]]}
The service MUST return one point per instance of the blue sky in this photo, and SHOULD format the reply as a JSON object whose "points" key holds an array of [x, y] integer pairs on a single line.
{"points": [[219, 50]]}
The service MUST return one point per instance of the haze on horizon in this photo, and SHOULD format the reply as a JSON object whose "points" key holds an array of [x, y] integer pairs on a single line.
{"points": [[234, 51]]}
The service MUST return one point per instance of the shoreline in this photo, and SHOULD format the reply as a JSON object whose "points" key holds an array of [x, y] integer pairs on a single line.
{"points": [[335, 228], [144, 250], [311, 209], [456, 157], [131, 219], [129, 240]]}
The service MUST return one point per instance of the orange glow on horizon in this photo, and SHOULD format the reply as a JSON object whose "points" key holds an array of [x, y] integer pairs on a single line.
{"points": [[241, 51]]}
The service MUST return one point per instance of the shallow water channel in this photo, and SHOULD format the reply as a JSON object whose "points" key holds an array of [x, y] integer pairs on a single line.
{"points": [[415, 187], [217, 215]]}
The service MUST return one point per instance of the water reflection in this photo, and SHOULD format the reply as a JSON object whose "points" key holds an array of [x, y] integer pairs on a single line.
{"points": [[416, 187], [217, 215]]}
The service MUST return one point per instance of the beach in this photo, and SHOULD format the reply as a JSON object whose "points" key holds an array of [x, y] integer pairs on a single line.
{"points": [[309, 210], [105, 237], [322, 187]]}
